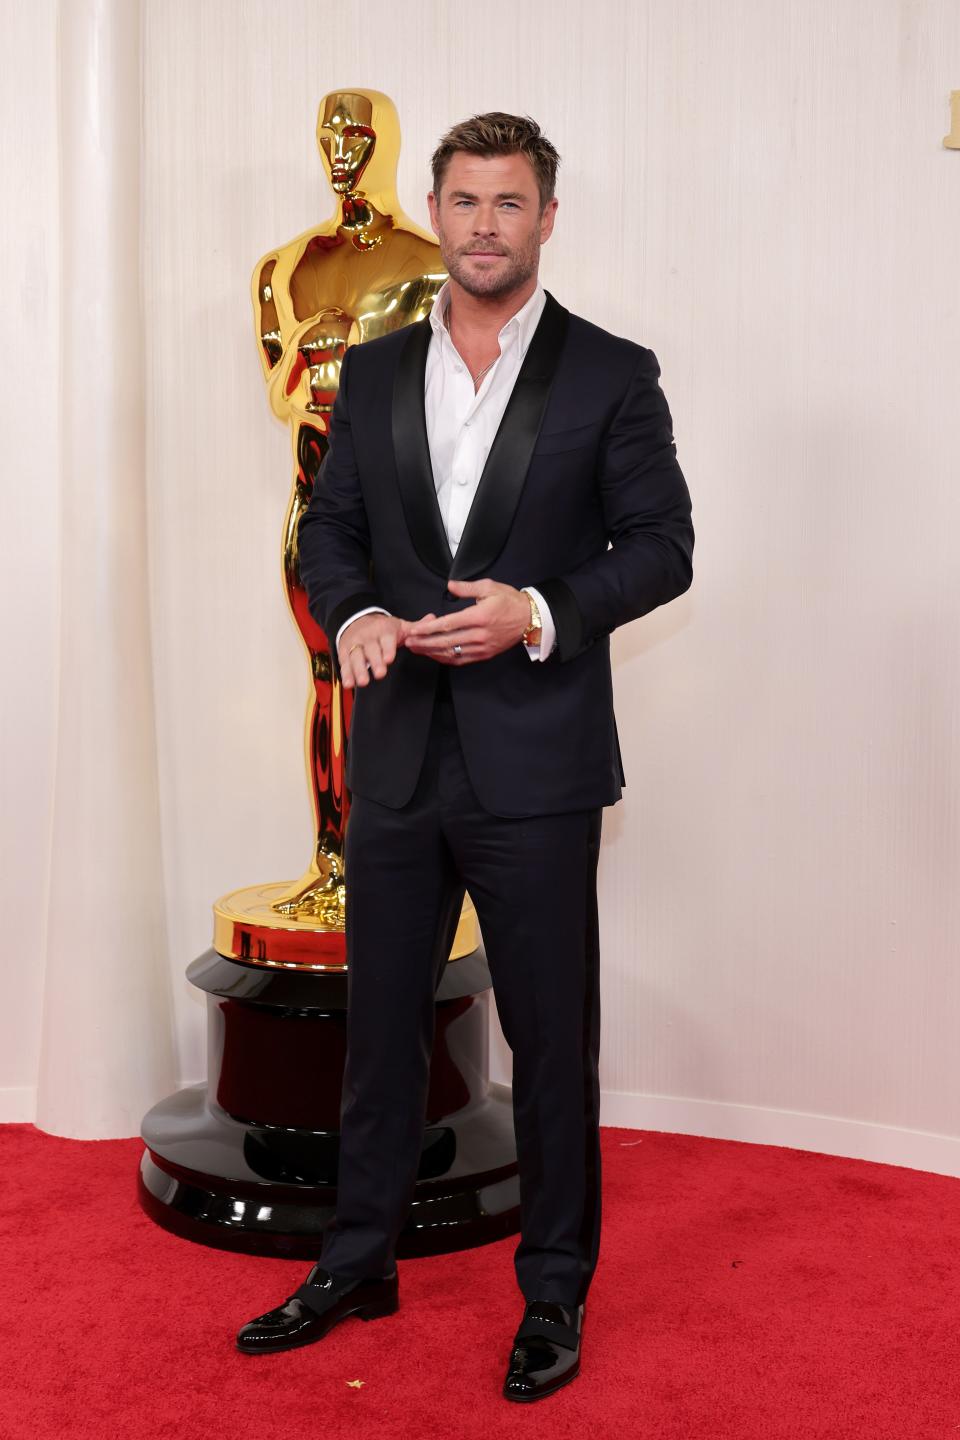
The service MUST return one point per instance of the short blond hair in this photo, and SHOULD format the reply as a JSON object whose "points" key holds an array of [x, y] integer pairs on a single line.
{"points": [[499, 134]]}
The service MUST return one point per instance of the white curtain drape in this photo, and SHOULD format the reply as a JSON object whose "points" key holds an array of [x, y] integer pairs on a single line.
{"points": [[106, 1047]]}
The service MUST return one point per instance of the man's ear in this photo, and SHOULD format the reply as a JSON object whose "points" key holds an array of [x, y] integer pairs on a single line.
{"points": [[433, 207], [547, 219]]}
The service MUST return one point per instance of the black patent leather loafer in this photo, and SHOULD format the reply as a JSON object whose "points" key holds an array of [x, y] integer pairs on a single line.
{"points": [[546, 1350], [321, 1302]]}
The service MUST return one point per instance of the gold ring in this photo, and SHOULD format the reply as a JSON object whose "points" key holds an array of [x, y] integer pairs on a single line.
{"points": [[358, 646]]}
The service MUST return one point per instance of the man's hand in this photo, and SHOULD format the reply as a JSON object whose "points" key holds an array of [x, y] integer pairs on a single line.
{"points": [[494, 623], [368, 645]]}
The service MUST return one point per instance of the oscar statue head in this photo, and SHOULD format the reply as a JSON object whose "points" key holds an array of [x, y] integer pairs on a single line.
{"points": [[358, 135]]}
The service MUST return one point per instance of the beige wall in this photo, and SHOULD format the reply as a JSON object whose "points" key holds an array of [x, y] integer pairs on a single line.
{"points": [[757, 191]]}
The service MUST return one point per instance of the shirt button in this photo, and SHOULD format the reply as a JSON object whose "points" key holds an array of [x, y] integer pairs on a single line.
{"points": [[459, 369], [461, 479]]}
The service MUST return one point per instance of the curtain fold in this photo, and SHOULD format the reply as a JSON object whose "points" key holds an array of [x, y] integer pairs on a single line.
{"points": [[106, 1038]]}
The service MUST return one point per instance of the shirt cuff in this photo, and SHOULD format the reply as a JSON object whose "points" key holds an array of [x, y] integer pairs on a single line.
{"points": [[548, 633], [370, 610]]}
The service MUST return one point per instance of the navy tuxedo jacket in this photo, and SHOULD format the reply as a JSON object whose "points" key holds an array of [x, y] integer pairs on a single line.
{"points": [[584, 460]]}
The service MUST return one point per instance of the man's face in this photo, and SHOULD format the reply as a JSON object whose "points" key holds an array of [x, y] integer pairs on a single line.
{"points": [[488, 221]]}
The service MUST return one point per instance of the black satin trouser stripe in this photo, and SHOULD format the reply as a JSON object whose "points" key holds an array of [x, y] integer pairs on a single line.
{"points": [[533, 882], [590, 1225]]}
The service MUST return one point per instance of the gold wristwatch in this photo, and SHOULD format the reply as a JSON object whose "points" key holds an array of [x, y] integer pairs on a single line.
{"points": [[531, 636]]}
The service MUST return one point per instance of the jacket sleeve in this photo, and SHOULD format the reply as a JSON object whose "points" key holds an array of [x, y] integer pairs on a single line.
{"points": [[333, 534], [647, 517]]}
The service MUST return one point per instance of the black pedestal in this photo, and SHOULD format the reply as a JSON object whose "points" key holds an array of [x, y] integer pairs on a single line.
{"points": [[249, 1160]]}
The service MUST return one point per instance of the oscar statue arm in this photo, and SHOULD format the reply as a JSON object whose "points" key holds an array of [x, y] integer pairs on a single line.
{"points": [[272, 327], [279, 337], [333, 534], [647, 517]]}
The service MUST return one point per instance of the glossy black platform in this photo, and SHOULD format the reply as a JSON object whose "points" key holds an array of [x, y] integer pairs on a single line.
{"points": [[249, 1160]]}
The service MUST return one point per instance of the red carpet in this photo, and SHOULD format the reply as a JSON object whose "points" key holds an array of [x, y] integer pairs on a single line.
{"points": [[743, 1291]]}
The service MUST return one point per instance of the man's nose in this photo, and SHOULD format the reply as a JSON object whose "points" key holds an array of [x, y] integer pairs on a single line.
{"points": [[485, 221]]}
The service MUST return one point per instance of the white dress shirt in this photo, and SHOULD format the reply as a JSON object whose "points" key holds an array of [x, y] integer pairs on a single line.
{"points": [[461, 425]]}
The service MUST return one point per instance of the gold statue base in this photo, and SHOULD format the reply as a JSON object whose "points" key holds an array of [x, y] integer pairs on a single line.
{"points": [[246, 926]]}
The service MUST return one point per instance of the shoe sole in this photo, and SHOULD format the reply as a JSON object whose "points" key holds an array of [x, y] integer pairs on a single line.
{"points": [[363, 1312], [542, 1394]]}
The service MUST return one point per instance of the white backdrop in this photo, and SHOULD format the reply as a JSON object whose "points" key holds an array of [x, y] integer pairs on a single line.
{"points": [[756, 190]]}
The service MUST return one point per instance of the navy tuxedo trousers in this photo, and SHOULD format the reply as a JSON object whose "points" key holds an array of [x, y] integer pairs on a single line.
{"points": [[533, 883]]}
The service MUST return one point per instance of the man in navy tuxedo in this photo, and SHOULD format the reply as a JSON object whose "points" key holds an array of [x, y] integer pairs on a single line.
{"points": [[500, 493]]}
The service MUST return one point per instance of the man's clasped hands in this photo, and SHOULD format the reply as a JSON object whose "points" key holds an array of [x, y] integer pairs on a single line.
{"points": [[495, 621]]}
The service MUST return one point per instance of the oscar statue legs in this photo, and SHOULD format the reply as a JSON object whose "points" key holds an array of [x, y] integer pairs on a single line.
{"points": [[533, 882]]}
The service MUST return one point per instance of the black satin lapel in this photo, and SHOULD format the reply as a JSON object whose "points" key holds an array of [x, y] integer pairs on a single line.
{"points": [[501, 484], [411, 452]]}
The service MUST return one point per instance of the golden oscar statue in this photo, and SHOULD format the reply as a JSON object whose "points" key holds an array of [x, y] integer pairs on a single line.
{"points": [[248, 1160], [366, 271]]}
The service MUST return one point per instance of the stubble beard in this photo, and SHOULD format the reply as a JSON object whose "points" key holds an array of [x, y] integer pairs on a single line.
{"points": [[522, 265]]}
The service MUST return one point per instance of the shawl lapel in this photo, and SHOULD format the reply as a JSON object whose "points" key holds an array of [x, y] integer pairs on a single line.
{"points": [[411, 452]]}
